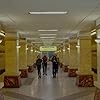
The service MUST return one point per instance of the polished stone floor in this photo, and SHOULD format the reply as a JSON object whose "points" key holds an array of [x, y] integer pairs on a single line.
{"points": [[48, 88]]}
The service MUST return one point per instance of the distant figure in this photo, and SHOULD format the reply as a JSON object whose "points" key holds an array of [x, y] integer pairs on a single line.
{"points": [[38, 64], [55, 63], [44, 65]]}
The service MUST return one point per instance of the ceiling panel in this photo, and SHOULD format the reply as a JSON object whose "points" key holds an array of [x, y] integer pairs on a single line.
{"points": [[81, 16]]}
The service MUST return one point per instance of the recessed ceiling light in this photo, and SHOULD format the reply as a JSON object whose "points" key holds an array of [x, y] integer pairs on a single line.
{"points": [[47, 37], [54, 30], [48, 34], [46, 13]]}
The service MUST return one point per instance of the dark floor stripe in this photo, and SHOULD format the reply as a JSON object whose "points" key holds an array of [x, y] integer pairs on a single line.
{"points": [[28, 81], [77, 95], [19, 96]]}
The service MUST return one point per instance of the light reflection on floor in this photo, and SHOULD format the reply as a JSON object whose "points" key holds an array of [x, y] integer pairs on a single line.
{"points": [[48, 88]]}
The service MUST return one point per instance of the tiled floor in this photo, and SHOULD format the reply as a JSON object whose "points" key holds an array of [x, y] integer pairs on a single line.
{"points": [[48, 88]]}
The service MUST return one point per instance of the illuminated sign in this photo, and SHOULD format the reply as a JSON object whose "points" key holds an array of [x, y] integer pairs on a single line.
{"points": [[48, 48]]}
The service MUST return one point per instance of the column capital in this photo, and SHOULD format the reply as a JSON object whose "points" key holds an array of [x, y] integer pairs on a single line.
{"points": [[85, 37], [22, 42], [10, 39], [11, 36], [72, 41]]}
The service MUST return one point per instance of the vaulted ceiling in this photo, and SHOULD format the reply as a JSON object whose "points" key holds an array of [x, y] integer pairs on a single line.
{"points": [[81, 16]]}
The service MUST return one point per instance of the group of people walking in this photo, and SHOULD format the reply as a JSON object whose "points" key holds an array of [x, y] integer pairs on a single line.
{"points": [[43, 62]]}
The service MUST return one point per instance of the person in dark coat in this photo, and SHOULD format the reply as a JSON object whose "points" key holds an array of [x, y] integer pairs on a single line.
{"points": [[54, 65], [38, 64], [44, 65]]}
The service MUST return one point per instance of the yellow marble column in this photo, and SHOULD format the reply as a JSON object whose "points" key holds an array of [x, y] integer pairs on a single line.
{"points": [[2, 57], [84, 73], [61, 57], [72, 68], [65, 57], [23, 59], [12, 74], [97, 83], [2, 61], [35, 54], [30, 58]]}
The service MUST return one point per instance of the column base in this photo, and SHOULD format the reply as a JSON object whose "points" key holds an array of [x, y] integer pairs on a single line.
{"points": [[12, 81], [30, 69], [85, 80], [97, 92], [65, 68], [72, 72], [24, 73]]}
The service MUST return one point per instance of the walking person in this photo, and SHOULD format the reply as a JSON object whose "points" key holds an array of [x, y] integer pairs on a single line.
{"points": [[44, 65], [54, 65], [38, 64]]}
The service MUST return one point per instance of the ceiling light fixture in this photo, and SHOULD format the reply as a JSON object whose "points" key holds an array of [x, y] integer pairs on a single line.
{"points": [[63, 50], [77, 46], [18, 46], [97, 40], [31, 50], [48, 34], [68, 48], [93, 33], [37, 51], [2, 34], [53, 30], [48, 13], [0, 41], [47, 37], [63, 38], [27, 48]]}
